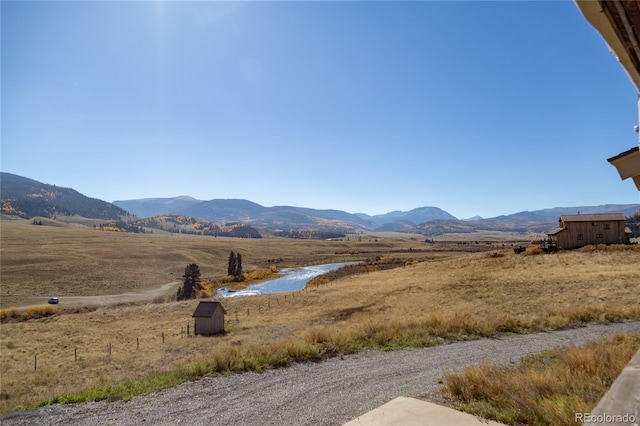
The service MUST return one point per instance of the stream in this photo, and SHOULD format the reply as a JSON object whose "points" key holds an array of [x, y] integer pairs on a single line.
{"points": [[292, 279]]}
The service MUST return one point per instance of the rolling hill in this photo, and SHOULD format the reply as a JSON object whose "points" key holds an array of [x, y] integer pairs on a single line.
{"points": [[526, 221], [28, 198], [148, 207]]}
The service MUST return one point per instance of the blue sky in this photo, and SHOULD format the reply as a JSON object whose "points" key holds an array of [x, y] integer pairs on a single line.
{"points": [[479, 108]]}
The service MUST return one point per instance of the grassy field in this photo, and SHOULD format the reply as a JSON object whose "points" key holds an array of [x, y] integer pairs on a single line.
{"points": [[72, 260], [452, 295]]}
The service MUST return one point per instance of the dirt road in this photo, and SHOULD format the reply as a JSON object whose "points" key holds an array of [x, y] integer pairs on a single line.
{"points": [[103, 300], [326, 393]]}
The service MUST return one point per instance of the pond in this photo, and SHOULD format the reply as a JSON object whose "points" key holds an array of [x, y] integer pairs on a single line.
{"points": [[292, 279]]}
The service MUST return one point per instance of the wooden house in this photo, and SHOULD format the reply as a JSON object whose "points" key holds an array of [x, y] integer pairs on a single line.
{"points": [[209, 318], [583, 229]]}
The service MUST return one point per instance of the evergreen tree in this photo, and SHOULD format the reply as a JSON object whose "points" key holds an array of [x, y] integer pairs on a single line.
{"points": [[238, 265], [190, 283], [232, 266]]}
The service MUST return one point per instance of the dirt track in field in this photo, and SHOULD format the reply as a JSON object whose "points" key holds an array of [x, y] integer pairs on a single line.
{"points": [[104, 300]]}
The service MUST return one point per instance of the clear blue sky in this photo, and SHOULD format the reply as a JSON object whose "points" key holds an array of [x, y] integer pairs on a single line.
{"points": [[479, 108]]}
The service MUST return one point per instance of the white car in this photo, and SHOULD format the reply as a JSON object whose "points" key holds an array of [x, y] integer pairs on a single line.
{"points": [[54, 300]]}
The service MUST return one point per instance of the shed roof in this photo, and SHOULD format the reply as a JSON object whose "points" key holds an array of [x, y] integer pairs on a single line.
{"points": [[592, 217], [556, 231], [206, 309]]}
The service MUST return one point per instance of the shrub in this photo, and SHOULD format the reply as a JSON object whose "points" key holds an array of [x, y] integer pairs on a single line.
{"points": [[206, 290], [259, 274], [39, 312], [532, 251], [11, 313]]}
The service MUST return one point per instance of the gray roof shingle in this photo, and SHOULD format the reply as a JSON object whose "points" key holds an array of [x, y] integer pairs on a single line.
{"points": [[206, 309]]}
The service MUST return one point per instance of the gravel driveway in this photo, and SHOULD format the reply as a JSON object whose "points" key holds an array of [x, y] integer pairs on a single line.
{"points": [[326, 393]]}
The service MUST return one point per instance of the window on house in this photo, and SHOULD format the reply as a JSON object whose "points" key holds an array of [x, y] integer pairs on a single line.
{"points": [[598, 235], [593, 224], [580, 237], [607, 226]]}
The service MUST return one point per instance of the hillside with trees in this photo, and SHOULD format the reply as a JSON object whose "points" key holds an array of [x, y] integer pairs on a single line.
{"points": [[180, 224], [28, 198]]}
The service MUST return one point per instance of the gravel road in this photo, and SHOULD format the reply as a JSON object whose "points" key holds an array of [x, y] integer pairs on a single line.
{"points": [[326, 393], [101, 300]]}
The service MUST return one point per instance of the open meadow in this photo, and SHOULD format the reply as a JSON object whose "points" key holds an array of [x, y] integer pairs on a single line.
{"points": [[71, 260], [450, 295]]}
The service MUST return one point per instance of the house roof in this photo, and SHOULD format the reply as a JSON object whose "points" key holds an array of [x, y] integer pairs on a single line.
{"points": [[618, 22], [628, 164], [206, 309], [592, 217]]}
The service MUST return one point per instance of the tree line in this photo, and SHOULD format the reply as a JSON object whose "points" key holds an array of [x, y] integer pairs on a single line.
{"points": [[178, 224]]}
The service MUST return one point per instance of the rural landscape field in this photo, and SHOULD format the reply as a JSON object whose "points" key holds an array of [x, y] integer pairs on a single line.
{"points": [[297, 213], [444, 292]]}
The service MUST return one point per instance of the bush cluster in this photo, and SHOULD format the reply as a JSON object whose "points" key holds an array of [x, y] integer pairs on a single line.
{"points": [[35, 312]]}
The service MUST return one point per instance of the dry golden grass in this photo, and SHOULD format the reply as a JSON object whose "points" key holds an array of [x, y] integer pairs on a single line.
{"points": [[547, 388], [75, 260], [459, 296]]}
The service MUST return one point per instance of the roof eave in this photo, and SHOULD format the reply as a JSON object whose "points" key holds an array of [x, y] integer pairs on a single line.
{"points": [[610, 32], [628, 165]]}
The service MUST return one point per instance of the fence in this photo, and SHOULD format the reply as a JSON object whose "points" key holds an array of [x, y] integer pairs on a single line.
{"points": [[80, 354]]}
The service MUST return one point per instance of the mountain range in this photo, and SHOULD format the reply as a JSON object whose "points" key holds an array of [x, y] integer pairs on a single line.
{"points": [[29, 198], [280, 217], [428, 221]]}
